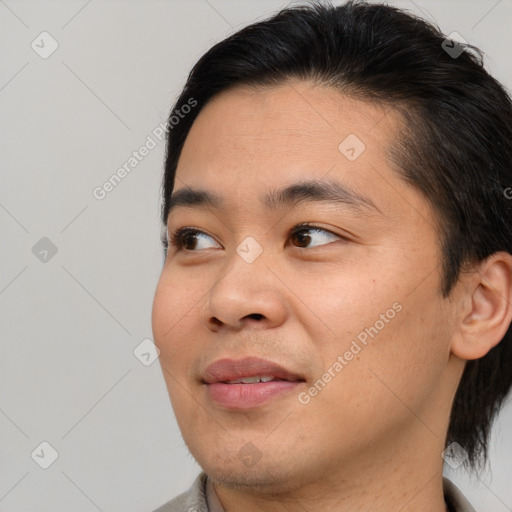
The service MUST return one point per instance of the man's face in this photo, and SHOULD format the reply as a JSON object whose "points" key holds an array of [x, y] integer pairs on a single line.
{"points": [[350, 306]]}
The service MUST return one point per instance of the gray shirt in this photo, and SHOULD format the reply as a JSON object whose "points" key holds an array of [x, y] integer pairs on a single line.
{"points": [[201, 497]]}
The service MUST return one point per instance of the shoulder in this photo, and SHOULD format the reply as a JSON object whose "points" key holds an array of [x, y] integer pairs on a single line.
{"points": [[193, 500]]}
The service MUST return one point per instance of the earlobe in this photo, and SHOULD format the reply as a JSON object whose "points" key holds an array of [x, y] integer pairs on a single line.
{"points": [[488, 315]]}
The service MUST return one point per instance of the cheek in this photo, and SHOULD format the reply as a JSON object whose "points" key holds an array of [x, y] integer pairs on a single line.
{"points": [[344, 303], [174, 318], [175, 312], [403, 362], [375, 390], [392, 342]]}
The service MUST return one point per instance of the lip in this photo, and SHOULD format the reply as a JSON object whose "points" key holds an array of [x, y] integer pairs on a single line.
{"points": [[246, 396], [224, 370]]}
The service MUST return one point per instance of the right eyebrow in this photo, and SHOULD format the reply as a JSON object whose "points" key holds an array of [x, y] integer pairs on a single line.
{"points": [[318, 191], [188, 197]]}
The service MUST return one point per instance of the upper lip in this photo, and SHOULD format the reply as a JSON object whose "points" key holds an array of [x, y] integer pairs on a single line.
{"points": [[224, 370]]}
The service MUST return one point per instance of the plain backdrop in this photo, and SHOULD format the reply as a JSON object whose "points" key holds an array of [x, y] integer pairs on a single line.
{"points": [[78, 273]]}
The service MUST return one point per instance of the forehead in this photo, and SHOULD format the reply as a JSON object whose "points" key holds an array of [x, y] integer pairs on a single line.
{"points": [[250, 139]]}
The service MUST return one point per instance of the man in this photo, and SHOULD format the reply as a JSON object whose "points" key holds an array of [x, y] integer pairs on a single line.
{"points": [[334, 311]]}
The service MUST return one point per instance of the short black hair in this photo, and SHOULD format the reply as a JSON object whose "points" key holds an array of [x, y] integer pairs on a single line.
{"points": [[455, 144]]}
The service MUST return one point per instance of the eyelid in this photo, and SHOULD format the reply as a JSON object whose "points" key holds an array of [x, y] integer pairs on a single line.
{"points": [[312, 226], [174, 239]]}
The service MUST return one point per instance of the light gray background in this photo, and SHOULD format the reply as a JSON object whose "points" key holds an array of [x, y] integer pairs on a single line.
{"points": [[68, 374]]}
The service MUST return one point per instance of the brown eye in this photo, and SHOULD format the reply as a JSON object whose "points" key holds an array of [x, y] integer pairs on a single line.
{"points": [[301, 238], [308, 236], [192, 240]]}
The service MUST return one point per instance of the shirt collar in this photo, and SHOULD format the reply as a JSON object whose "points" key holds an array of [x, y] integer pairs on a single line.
{"points": [[212, 500]]}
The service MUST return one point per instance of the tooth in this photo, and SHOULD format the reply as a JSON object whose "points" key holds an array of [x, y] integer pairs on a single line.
{"points": [[252, 380], [246, 380]]}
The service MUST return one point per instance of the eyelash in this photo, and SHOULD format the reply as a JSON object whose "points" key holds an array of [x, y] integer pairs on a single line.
{"points": [[176, 239]]}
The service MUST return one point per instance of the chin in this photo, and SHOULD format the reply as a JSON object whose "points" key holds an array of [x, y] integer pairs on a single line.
{"points": [[258, 480], [246, 469]]}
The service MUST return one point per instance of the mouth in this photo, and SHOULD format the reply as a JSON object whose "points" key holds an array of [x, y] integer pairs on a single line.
{"points": [[253, 380], [248, 383]]}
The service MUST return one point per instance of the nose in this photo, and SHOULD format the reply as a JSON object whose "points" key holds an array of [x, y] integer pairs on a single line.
{"points": [[248, 295]]}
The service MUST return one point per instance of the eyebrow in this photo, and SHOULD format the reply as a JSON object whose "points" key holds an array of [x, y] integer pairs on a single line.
{"points": [[309, 191]]}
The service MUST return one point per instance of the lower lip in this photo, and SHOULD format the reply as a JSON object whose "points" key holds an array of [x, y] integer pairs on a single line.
{"points": [[246, 396]]}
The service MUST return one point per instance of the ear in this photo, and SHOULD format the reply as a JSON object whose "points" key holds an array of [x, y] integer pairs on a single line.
{"points": [[486, 313]]}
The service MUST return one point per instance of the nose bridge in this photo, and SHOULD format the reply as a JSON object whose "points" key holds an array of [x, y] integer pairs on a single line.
{"points": [[249, 250], [248, 263], [246, 291]]}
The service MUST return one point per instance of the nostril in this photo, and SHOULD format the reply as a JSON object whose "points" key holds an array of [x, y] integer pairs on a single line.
{"points": [[255, 316]]}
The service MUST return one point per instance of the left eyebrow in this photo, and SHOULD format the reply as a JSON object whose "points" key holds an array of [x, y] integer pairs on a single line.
{"points": [[324, 191]]}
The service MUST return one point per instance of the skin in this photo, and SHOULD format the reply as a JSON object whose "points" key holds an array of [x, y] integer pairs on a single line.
{"points": [[374, 434]]}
